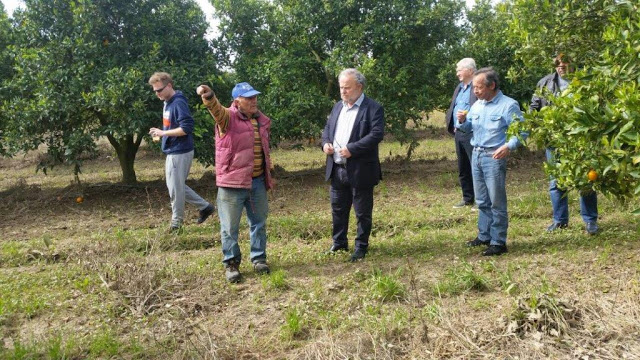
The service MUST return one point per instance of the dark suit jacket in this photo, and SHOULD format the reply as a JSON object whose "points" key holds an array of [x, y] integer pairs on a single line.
{"points": [[450, 117], [363, 167]]}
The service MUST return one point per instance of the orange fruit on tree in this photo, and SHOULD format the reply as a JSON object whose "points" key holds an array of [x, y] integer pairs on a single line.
{"points": [[79, 199], [592, 175]]}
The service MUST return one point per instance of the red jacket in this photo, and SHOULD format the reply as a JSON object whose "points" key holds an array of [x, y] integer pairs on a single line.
{"points": [[234, 151]]}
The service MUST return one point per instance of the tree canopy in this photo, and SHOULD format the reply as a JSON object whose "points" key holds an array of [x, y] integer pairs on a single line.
{"points": [[593, 125], [81, 69], [293, 51]]}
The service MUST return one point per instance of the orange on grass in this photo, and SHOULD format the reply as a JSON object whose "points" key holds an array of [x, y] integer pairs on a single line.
{"points": [[79, 199]]}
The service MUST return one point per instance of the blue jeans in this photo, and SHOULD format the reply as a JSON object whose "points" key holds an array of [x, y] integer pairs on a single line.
{"points": [[560, 201], [490, 189], [231, 202]]}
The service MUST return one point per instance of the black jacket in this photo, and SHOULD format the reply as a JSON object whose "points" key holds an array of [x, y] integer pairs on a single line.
{"points": [[449, 117], [363, 167], [552, 83]]}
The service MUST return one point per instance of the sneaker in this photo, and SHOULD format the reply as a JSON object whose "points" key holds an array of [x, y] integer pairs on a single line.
{"points": [[205, 213], [261, 267], [175, 230], [592, 228], [477, 242], [494, 250], [233, 272], [462, 204], [556, 226]]}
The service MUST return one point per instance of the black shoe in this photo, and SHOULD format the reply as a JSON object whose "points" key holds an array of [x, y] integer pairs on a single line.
{"points": [[205, 213], [336, 248], [477, 242], [494, 250], [261, 267], [358, 255], [592, 228], [556, 226], [232, 272]]}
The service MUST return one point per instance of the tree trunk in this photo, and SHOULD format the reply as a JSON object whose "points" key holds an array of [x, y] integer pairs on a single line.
{"points": [[126, 148]]}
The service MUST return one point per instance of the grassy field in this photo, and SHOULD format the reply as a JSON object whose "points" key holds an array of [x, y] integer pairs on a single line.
{"points": [[103, 279]]}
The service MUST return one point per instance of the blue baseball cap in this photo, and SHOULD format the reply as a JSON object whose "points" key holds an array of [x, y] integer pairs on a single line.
{"points": [[244, 89]]}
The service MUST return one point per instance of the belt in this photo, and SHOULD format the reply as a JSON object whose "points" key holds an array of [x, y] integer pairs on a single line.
{"points": [[486, 149]]}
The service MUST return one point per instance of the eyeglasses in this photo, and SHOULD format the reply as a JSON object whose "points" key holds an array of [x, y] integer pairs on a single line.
{"points": [[160, 90]]}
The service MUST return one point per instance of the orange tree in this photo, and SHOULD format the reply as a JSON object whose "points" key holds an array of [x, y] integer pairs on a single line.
{"points": [[80, 74], [594, 124]]}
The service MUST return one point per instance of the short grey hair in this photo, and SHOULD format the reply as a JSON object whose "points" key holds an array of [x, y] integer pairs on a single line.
{"points": [[467, 63], [360, 79], [490, 76]]}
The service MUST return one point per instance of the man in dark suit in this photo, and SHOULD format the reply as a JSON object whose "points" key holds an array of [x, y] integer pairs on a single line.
{"points": [[350, 139], [463, 98]]}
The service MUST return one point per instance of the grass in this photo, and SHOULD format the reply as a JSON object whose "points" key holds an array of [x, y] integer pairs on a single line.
{"points": [[103, 279]]}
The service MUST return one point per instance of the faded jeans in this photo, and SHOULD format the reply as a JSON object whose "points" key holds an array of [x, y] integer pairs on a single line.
{"points": [[231, 202], [490, 189], [560, 201]]}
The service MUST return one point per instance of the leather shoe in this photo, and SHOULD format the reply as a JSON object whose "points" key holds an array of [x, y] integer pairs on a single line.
{"points": [[205, 213], [462, 204], [335, 248], [556, 226], [358, 255], [494, 250], [592, 228], [477, 242]]}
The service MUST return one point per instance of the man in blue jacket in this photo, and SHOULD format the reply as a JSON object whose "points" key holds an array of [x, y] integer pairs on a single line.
{"points": [[463, 98], [177, 144]]}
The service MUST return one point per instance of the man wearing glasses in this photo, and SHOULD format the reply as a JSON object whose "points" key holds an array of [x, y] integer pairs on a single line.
{"points": [[177, 144]]}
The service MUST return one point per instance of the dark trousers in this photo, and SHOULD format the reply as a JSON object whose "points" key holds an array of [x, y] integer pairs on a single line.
{"points": [[464, 150], [343, 195]]}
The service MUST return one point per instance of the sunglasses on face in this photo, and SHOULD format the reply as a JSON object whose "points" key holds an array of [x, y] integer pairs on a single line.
{"points": [[160, 90]]}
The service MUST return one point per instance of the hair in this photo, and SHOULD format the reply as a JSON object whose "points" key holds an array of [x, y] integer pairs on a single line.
{"points": [[163, 77], [490, 76], [360, 79], [467, 63], [561, 58]]}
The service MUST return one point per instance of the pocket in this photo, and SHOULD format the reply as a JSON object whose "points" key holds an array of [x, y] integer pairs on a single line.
{"points": [[494, 122]]}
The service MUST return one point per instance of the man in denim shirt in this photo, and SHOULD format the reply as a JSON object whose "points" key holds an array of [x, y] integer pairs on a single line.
{"points": [[463, 98], [489, 118]]}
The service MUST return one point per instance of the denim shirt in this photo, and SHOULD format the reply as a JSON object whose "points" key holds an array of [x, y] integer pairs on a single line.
{"points": [[462, 100], [490, 119]]}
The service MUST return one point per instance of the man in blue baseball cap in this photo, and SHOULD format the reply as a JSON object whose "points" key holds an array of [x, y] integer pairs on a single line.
{"points": [[242, 174]]}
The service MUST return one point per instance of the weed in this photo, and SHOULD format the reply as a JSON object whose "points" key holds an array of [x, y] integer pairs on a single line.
{"points": [[386, 287], [276, 280], [460, 279], [294, 324], [104, 344]]}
